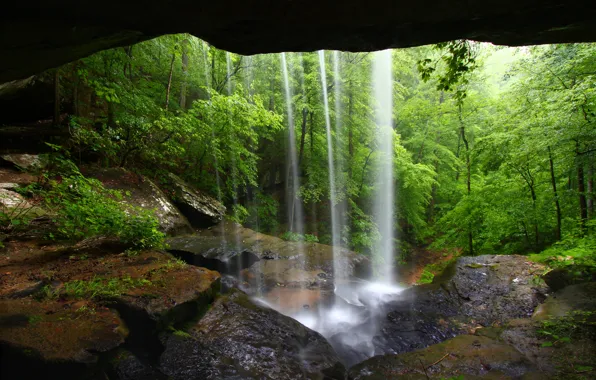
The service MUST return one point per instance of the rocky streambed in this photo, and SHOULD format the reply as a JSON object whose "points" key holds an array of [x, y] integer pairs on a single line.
{"points": [[227, 302]]}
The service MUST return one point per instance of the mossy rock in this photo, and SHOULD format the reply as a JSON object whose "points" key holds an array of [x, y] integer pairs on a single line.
{"points": [[466, 355]]}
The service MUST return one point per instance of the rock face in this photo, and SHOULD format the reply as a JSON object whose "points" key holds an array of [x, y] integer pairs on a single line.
{"points": [[238, 339], [64, 311], [467, 355], [145, 194], [38, 338], [280, 261], [201, 210], [39, 35], [474, 291], [24, 161]]}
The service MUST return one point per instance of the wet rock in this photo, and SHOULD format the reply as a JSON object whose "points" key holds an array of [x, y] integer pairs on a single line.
{"points": [[571, 298], [24, 161], [238, 339], [201, 210], [51, 339], [228, 283], [9, 200], [126, 366], [218, 259], [474, 291], [559, 278], [314, 261], [145, 194], [466, 355], [175, 293]]}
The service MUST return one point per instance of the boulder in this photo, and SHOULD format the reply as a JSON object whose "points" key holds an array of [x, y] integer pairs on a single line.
{"points": [[144, 193], [467, 356], [218, 259], [67, 289], [559, 278], [282, 262], [49, 339], [472, 292], [201, 210], [572, 298], [239, 339], [9, 200], [24, 161], [15, 206]]}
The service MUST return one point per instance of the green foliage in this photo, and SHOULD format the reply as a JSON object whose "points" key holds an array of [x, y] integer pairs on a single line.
{"points": [[81, 208], [262, 214], [426, 277], [239, 214], [95, 288], [458, 59], [84, 208], [576, 252], [489, 141], [575, 324], [293, 236]]}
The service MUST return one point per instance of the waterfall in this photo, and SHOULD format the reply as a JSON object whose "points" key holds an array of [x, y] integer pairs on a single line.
{"points": [[215, 159], [341, 207], [384, 199], [237, 242], [295, 212], [338, 270]]}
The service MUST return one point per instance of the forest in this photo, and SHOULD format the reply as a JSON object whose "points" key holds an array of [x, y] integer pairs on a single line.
{"points": [[497, 158]]}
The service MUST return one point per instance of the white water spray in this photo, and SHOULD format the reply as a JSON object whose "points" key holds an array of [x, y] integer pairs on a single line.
{"points": [[384, 200]]}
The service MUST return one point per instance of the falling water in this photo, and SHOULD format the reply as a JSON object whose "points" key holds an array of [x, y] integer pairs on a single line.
{"points": [[338, 272], [384, 203], [215, 159], [341, 206], [237, 242], [296, 218]]}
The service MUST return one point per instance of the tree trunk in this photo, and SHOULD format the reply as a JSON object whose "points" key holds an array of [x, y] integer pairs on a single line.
{"points": [[553, 181], [57, 97], [581, 189], [302, 134], [170, 81], [183, 85], [591, 190], [312, 127], [75, 96], [468, 176]]}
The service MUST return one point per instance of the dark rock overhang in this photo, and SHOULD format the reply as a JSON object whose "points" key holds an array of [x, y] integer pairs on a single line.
{"points": [[40, 34]]}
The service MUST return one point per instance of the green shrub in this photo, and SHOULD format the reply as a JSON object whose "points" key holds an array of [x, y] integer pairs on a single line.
{"points": [[262, 213], [293, 236], [573, 251], [95, 288], [81, 208], [239, 214], [426, 277]]}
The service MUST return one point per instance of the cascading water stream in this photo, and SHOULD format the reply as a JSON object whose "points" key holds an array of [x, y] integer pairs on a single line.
{"points": [[215, 159], [296, 215], [237, 242], [384, 200], [339, 274], [341, 207]]}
